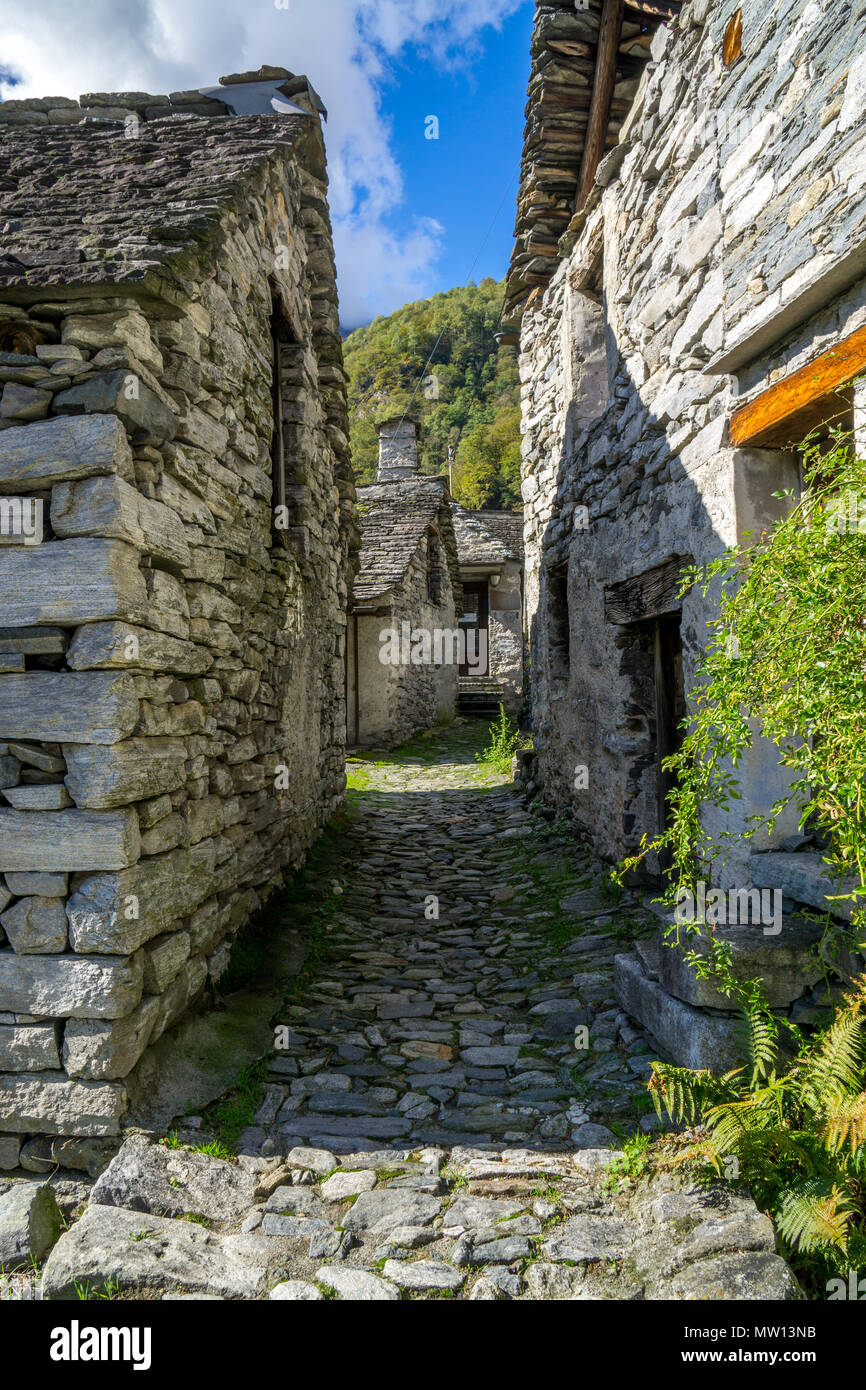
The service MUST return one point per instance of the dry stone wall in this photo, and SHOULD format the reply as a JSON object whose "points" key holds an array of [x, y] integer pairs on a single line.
{"points": [[722, 235], [172, 714]]}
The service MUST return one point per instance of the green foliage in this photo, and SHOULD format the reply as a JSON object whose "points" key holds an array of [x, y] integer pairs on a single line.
{"points": [[233, 1112], [795, 1137], [89, 1293], [786, 657], [505, 739], [477, 411]]}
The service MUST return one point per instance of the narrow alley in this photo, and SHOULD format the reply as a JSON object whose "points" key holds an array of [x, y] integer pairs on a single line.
{"points": [[468, 997], [450, 1082]]}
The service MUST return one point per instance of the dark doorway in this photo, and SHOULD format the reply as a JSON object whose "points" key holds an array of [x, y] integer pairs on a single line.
{"points": [[670, 710], [474, 625]]}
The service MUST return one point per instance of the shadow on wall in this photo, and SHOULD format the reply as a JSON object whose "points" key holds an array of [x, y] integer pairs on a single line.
{"points": [[614, 650]]}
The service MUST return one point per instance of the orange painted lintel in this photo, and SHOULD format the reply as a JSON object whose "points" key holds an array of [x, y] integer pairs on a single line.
{"points": [[786, 412]]}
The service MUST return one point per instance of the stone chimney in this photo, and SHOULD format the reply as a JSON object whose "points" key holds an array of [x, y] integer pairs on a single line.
{"points": [[398, 450]]}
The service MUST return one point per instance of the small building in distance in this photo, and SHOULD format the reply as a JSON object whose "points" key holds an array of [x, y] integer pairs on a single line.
{"points": [[404, 637], [490, 554]]}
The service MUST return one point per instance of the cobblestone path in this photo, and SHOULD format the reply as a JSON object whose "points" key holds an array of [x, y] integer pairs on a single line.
{"points": [[469, 994], [448, 1085]]}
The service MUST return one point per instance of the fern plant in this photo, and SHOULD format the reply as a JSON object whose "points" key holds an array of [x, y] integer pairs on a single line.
{"points": [[793, 1131]]}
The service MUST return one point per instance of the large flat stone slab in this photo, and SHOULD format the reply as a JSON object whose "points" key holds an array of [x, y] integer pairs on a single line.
{"points": [[785, 963], [71, 582], [70, 986], [123, 646], [71, 840], [46, 1104], [803, 877], [383, 1210], [688, 1036], [68, 707], [159, 1255], [34, 457]]}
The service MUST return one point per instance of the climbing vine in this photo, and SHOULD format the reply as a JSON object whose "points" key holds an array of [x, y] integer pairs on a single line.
{"points": [[786, 657]]}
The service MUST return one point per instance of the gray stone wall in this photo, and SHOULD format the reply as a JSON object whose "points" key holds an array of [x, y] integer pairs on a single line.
{"points": [[172, 715], [397, 701], [724, 235], [505, 635]]}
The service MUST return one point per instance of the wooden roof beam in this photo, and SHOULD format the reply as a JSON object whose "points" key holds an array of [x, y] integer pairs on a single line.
{"points": [[786, 413], [609, 34]]}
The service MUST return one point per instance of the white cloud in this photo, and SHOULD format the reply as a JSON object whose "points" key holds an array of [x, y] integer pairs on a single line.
{"points": [[67, 47]]}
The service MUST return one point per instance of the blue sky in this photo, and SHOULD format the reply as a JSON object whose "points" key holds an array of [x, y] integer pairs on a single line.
{"points": [[461, 179], [409, 213]]}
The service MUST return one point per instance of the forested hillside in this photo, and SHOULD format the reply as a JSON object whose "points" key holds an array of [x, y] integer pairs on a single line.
{"points": [[468, 398]]}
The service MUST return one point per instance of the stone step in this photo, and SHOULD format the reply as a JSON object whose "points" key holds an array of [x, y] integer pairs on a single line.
{"points": [[691, 1037], [804, 877]]}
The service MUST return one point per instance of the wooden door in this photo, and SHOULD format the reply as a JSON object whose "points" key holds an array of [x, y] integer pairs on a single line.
{"points": [[474, 624]]}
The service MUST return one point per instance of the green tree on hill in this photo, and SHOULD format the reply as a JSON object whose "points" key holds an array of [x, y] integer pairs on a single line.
{"points": [[468, 397]]}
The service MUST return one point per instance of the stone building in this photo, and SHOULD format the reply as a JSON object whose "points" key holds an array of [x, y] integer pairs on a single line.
{"points": [[178, 544], [689, 290], [490, 552], [403, 649]]}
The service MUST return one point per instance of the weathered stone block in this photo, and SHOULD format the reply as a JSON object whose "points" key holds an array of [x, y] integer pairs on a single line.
{"points": [[688, 1036], [52, 451], [804, 877], [61, 841], [105, 506], [28, 1047], [36, 926], [29, 1224], [85, 707], [164, 960], [171, 1182], [23, 402], [10, 772], [116, 913], [108, 506], [121, 393], [101, 1049], [45, 641], [44, 1104], [41, 885], [785, 964], [122, 646], [51, 797], [10, 1148], [71, 582], [69, 987], [179, 1254], [127, 328], [125, 772]]}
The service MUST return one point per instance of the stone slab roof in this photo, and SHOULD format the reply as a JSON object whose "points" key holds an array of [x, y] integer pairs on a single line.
{"points": [[83, 203], [487, 538], [394, 519], [564, 54]]}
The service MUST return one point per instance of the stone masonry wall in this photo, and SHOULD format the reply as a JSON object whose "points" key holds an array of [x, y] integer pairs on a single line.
{"points": [[505, 635], [721, 235], [172, 717], [399, 700]]}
